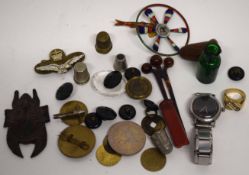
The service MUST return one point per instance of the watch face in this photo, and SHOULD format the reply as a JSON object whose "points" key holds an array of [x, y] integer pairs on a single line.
{"points": [[205, 107]]}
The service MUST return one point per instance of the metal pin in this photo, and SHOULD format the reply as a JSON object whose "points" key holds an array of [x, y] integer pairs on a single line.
{"points": [[73, 114]]}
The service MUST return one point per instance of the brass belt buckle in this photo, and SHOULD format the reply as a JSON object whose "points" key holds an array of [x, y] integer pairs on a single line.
{"points": [[234, 99]]}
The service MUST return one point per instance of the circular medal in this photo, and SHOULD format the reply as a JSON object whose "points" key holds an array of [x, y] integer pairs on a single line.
{"points": [[138, 88], [76, 141]]}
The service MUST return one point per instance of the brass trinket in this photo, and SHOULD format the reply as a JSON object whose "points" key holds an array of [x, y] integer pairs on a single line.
{"points": [[149, 120], [152, 159], [76, 141], [103, 42], [59, 62], [105, 158], [138, 88], [234, 99], [74, 116]]}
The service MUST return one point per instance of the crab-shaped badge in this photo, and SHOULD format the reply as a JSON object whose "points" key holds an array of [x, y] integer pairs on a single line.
{"points": [[26, 123]]}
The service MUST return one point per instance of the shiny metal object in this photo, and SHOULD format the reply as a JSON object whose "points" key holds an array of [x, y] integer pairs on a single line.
{"points": [[120, 63], [69, 114], [103, 42], [162, 141], [234, 99], [105, 158], [153, 160], [205, 109], [81, 74]]}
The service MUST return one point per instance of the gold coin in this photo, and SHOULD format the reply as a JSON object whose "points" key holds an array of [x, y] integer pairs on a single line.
{"points": [[106, 158], [138, 88], [76, 141], [126, 138], [152, 159], [74, 106]]}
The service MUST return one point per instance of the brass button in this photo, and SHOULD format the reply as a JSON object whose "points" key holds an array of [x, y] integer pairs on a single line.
{"points": [[138, 88], [105, 158], [71, 107], [76, 141]]}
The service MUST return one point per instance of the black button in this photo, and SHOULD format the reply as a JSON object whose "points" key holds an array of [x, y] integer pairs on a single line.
{"points": [[106, 113], [64, 91], [236, 73], [132, 72], [93, 121], [127, 112], [112, 79]]}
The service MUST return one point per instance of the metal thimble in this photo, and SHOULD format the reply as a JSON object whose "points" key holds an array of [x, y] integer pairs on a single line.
{"points": [[103, 42], [81, 74], [120, 63]]}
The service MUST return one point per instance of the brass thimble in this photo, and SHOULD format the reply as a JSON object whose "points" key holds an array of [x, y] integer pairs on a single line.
{"points": [[120, 63], [81, 74], [103, 42]]}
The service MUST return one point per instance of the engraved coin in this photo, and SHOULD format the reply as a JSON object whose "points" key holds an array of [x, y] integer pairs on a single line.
{"points": [[152, 123], [105, 158], [73, 106], [138, 88], [126, 138], [152, 159], [76, 141]]}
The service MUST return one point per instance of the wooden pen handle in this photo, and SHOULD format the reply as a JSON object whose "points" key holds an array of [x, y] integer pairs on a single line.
{"points": [[174, 124]]}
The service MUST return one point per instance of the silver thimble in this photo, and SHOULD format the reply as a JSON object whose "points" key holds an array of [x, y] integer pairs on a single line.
{"points": [[81, 74], [120, 63], [161, 140]]}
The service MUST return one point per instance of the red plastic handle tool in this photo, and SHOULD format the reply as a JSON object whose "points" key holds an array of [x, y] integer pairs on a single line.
{"points": [[174, 124]]}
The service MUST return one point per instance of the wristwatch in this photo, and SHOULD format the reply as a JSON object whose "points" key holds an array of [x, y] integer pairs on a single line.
{"points": [[205, 109]]}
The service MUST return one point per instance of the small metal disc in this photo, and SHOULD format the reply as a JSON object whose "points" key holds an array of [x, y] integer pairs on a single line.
{"points": [[74, 106], [105, 158], [107, 146], [127, 112], [150, 120], [138, 88], [236, 73], [126, 138], [152, 159], [76, 141]]}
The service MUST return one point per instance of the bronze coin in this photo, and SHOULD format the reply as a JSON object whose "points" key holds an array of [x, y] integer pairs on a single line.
{"points": [[72, 106], [105, 158], [150, 120], [138, 88], [76, 141], [126, 138], [152, 159], [107, 146]]}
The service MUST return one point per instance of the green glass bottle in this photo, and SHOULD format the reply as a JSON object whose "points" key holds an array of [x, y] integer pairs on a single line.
{"points": [[209, 63]]}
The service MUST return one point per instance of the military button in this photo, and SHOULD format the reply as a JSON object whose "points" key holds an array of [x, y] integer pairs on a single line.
{"points": [[236, 73], [106, 113], [132, 72], [76, 141], [73, 107], [152, 124], [127, 112], [150, 105], [64, 91], [126, 138], [112, 79], [93, 121], [152, 159], [138, 88], [105, 158]]}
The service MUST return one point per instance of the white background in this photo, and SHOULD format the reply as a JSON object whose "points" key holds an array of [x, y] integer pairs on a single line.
{"points": [[29, 29]]}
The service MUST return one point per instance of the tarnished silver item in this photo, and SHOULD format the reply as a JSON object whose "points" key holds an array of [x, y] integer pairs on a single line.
{"points": [[81, 74], [120, 63], [161, 140], [205, 109], [69, 114]]}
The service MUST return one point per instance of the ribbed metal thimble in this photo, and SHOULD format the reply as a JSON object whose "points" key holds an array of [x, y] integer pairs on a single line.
{"points": [[120, 63], [81, 74], [103, 42]]}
